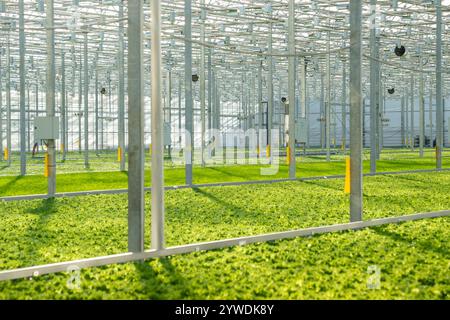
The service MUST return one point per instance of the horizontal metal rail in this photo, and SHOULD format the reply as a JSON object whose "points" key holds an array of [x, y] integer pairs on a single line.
{"points": [[211, 245], [206, 185]]}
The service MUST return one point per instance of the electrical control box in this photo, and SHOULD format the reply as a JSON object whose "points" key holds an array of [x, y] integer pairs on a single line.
{"points": [[167, 139], [300, 130], [46, 128]]}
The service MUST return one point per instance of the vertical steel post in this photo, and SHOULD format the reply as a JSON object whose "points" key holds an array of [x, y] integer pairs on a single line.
{"points": [[322, 110], [63, 106], [291, 88], [189, 134], [421, 112], [80, 92], [1, 109], [121, 96], [356, 195], [344, 106], [430, 114], [23, 156], [260, 107], [157, 132], [96, 111], [8, 100], [202, 81], [412, 136], [304, 105], [209, 91], [439, 105], [374, 85], [136, 156], [328, 102], [86, 102], [50, 94], [270, 103], [402, 120]]}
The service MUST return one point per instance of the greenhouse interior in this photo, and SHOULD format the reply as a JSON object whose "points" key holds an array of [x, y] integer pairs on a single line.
{"points": [[233, 150]]}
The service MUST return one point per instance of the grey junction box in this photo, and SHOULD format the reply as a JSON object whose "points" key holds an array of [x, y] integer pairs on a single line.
{"points": [[46, 128]]}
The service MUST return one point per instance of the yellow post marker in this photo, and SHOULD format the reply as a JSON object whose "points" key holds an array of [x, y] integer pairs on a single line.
{"points": [[268, 151], [119, 154], [288, 155], [46, 165], [6, 154], [347, 175], [61, 147], [257, 151]]}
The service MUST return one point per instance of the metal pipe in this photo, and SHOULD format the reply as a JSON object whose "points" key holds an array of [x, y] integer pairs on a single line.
{"points": [[86, 101], [121, 94], [136, 155], [356, 196], [63, 105], [157, 132], [23, 156], [412, 131], [439, 105], [291, 85], [374, 85], [189, 133], [50, 95], [202, 82]]}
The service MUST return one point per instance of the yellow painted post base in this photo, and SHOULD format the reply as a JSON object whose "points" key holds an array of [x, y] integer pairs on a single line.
{"points": [[347, 175], [119, 154], [46, 162], [6, 154], [288, 155], [268, 151], [61, 147]]}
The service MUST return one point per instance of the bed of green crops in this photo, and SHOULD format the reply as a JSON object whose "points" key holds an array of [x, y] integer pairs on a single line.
{"points": [[103, 173], [413, 258]]}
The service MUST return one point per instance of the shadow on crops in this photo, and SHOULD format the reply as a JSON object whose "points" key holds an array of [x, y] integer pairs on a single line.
{"points": [[227, 172], [424, 245], [37, 235], [9, 185], [323, 185], [221, 202], [173, 285]]}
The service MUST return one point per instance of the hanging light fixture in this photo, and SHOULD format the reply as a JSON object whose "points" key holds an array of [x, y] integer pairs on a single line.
{"points": [[399, 50]]}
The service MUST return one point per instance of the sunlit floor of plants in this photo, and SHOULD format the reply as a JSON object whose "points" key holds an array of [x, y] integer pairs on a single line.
{"points": [[101, 177], [413, 258]]}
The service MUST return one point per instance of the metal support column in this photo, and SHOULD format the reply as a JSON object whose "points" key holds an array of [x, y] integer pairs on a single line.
{"points": [[121, 97], [421, 113], [8, 100], [86, 102], [439, 105], [328, 101], [412, 131], [50, 94], [291, 88], [202, 82], [189, 116], [344, 106], [136, 156], [157, 132], [63, 106], [23, 142], [270, 104], [374, 90], [356, 195]]}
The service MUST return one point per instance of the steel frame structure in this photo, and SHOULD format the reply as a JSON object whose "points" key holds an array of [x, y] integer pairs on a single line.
{"points": [[243, 40]]}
